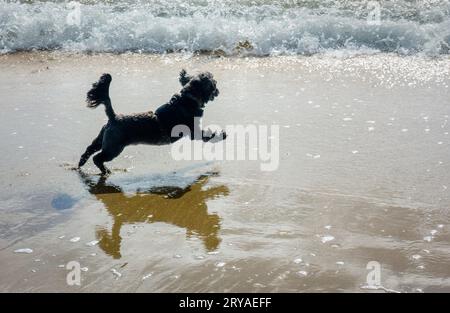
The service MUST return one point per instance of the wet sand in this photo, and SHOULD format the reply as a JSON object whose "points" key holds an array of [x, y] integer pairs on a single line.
{"points": [[363, 176]]}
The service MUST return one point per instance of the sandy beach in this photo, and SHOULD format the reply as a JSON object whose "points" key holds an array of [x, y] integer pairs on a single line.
{"points": [[363, 176]]}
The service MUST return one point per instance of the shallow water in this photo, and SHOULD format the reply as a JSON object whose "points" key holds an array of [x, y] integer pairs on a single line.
{"points": [[363, 177]]}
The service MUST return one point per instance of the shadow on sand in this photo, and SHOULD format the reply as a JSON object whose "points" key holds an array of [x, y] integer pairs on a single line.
{"points": [[183, 207]]}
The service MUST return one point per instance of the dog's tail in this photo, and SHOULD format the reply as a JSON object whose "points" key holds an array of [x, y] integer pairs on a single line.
{"points": [[99, 94]]}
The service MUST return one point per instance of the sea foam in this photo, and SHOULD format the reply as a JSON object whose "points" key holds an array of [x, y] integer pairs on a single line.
{"points": [[259, 27]]}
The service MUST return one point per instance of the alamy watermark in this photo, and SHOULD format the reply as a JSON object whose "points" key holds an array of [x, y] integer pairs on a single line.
{"points": [[73, 278], [73, 18], [374, 13], [243, 142], [373, 278]]}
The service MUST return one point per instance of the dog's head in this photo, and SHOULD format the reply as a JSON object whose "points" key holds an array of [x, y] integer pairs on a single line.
{"points": [[202, 87]]}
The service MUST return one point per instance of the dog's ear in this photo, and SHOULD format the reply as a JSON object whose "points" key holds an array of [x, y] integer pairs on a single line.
{"points": [[184, 77]]}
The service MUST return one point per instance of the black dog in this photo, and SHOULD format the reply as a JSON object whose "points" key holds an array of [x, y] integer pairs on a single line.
{"points": [[151, 128]]}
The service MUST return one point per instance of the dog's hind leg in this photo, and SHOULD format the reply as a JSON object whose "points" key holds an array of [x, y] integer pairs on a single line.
{"points": [[95, 146], [106, 155]]}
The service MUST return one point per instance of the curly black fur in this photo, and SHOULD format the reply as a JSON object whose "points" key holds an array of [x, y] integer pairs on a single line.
{"points": [[148, 127]]}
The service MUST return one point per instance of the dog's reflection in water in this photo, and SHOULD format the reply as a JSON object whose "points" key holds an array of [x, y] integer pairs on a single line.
{"points": [[182, 207]]}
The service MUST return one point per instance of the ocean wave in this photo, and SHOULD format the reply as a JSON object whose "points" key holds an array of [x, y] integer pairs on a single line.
{"points": [[259, 27]]}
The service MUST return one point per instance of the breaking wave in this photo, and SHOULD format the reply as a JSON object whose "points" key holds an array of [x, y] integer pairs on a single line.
{"points": [[226, 27]]}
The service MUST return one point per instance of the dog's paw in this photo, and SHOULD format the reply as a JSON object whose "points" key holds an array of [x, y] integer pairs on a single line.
{"points": [[106, 172], [83, 161], [218, 136]]}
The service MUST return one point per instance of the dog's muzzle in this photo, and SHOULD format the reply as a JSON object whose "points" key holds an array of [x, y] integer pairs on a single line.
{"points": [[214, 94]]}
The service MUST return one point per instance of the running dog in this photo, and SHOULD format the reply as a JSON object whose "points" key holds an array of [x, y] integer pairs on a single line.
{"points": [[184, 108]]}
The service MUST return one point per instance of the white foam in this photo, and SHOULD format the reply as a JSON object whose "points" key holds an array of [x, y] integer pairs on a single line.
{"points": [[416, 256], [379, 287], [327, 238], [220, 264], [75, 239], [302, 273], [24, 250], [259, 27], [147, 276], [116, 273]]}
